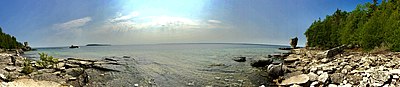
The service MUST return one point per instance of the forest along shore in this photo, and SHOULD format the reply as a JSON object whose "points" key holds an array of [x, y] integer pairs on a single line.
{"points": [[340, 67], [17, 71]]}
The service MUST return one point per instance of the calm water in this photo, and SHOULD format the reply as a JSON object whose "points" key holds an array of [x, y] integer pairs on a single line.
{"points": [[178, 63]]}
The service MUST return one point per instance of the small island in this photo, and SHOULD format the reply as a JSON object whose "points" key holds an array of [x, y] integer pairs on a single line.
{"points": [[98, 45]]}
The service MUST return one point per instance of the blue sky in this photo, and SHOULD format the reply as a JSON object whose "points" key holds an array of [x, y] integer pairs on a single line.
{"points": [[66, 22]]}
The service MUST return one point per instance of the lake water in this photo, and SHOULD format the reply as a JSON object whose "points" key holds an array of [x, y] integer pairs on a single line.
{"points": [[179, 64]]}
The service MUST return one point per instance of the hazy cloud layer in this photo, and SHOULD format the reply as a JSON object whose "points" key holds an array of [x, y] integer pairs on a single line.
{"points": [[72, 24]]}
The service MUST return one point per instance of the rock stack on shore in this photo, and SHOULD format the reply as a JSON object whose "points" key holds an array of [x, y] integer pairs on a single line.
{"points": [[332, 68]]}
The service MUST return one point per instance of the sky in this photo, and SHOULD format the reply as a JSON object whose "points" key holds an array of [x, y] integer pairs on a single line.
{"points": [[45, 23]]}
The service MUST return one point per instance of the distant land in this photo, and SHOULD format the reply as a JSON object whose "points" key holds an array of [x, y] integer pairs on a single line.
{"points": [[98, 45]]}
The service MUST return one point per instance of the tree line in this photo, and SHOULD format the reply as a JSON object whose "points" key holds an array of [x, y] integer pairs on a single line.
{"points": [[8, 42], [369, 25]]}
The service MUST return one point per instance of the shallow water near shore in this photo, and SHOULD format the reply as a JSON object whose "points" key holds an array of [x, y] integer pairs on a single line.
{"points": [[179, 64]]}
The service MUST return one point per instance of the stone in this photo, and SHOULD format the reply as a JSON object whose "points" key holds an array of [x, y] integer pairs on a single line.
{"points": [[299, 79], [395, 71], [276, 70], [2, 76], [111, 59], [379, 77], [332, 85], [126, 57], [325, 60], [217, 78], [67, 65], [323, 77], [344, 71], [190, 84], [239, 59], [312, 76], [313, 69], [72, 79], [337, 78], [320, 72], [291, 59], [261, 62], [10, 68], [315, 83], [295, 85], [395, 77]]}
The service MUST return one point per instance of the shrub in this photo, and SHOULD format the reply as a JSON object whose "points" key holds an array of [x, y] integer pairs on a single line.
{"points": [[27, 69], [47, 61]]}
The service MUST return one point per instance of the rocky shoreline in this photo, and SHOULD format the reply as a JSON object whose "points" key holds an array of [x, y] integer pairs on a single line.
{"points": [[338, 67], [69, 72]]}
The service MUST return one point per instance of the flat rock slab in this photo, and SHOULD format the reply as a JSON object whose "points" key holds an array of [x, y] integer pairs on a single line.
{"points": [[291, 59], [299, 79]]}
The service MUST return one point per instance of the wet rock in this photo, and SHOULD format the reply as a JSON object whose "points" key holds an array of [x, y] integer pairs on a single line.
{"points": [[261, 62], [337, 78], [299, 79], [276, 70], [126, 56], [111, 59], [323, 77], [239, 59]]}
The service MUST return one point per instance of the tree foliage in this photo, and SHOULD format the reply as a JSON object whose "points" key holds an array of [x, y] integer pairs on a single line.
{"points": [[370, 25], [8, 42]]}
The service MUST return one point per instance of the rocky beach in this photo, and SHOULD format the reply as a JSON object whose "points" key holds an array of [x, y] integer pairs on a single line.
{"points": [[340, 67]]}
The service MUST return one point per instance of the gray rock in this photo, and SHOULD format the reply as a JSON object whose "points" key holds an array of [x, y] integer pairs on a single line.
{"points": [[261, 62], [299, 79], [239, 59]]}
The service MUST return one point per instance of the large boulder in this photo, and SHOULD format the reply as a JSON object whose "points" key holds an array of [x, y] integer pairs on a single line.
{"points": [[332, 52], [261, 62], [276, 70], [299, 79]]}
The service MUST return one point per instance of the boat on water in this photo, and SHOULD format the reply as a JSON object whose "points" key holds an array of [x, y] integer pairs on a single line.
{"points": [[72, 46]]}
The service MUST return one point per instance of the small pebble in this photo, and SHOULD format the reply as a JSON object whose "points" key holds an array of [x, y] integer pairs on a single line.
{"points": [[136, 85]]}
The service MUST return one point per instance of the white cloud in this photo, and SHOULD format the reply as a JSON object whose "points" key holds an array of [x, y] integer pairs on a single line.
{"points": [[125, 17], [73, 23], [214, 21]]}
